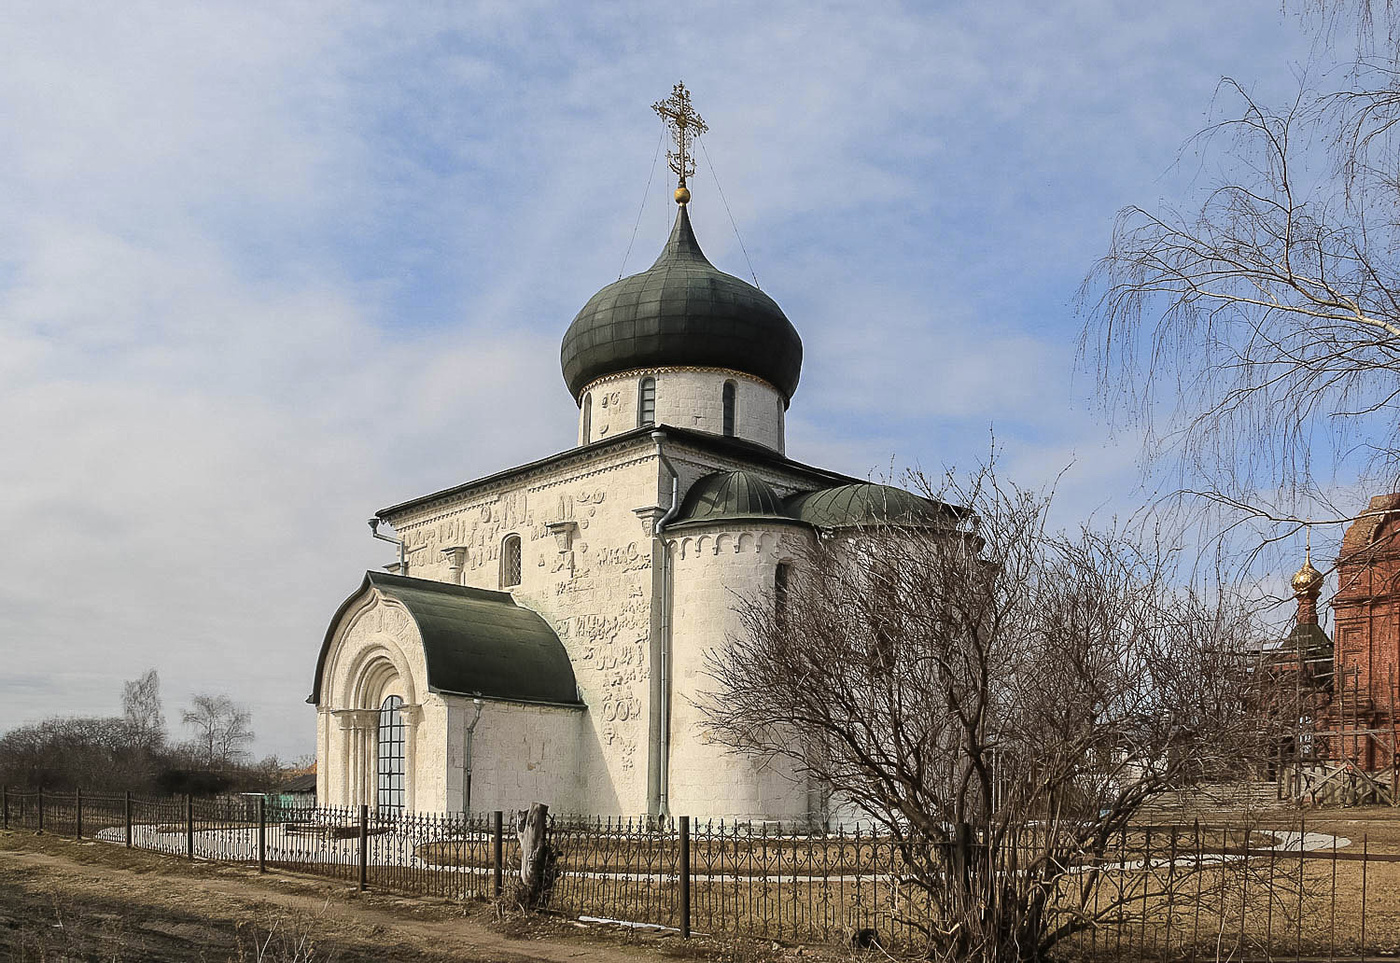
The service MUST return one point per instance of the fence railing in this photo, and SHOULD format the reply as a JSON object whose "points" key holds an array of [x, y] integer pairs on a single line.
{"points": [[1162, 893]]}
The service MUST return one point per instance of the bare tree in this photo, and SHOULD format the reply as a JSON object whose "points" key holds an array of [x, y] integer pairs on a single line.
{"points": [[1255, 332], [1002, 700], [1267, 319], [142, 711], [222, 729]]}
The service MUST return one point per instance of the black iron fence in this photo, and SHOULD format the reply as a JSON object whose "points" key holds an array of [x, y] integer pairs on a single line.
{"points": [[1168, 893]]}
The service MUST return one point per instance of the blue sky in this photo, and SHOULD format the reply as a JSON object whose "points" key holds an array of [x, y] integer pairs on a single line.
{"points": [[265, 268]]}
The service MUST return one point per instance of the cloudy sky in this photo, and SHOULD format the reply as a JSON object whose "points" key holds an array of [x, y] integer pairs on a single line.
{"points": [[265, 268]]}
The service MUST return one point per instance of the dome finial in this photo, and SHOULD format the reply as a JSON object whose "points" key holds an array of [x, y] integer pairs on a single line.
{"points": [[1307, 586], [1308, 580], [677, 113]]}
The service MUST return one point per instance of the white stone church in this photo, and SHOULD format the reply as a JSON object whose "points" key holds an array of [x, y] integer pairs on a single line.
{"points": [[544, 636]]}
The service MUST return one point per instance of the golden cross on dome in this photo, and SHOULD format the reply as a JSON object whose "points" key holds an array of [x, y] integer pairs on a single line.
{"points": [[677, 113]]}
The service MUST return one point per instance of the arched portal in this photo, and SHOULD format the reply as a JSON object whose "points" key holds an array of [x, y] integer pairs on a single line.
{"points": [[401, 661]]}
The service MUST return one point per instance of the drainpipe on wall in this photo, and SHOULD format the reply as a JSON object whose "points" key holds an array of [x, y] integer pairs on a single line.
{"points": [[403, 555], [467, 757], [665, 590]]}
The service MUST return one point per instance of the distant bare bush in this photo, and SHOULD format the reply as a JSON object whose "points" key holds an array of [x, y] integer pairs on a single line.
{"points": [[131, 752]]}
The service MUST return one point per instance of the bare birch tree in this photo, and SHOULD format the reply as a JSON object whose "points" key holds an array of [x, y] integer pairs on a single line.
{"points": [[222, 729], [1000, 699], [1255, 331], [142, 710]]}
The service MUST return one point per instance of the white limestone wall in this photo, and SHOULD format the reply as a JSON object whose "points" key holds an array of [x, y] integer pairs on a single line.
{"points": [[521, 754], [686, 398], [428, 776], [710, 569], [587, 568]]}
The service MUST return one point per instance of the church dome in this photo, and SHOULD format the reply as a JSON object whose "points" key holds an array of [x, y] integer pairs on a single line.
{"points": [[1307, 580], [730, 495], [684, 312], [851, 506]]}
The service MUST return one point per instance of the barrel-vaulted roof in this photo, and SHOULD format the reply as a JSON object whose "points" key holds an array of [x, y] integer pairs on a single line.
{"points": [[476, 642]]}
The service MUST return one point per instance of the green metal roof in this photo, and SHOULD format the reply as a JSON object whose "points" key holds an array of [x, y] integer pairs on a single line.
{"points": [[682, 311], [475, 642], [849, 506], [725, 496], [1310, 643], [736, 448]]}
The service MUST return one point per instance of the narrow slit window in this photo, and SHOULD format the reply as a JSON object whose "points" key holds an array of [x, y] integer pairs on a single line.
{"points": [[729, 409], [646, 402], [510, 561], [780, 592], [587, 418]]}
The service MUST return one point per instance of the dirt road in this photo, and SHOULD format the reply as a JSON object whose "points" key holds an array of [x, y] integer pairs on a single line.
{"points": [[62, 899]]}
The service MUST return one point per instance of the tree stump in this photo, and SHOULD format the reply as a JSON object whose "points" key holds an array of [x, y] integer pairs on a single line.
{"points": [[537, 857]]}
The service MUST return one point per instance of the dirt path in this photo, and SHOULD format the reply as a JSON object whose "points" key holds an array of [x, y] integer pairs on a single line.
{"points": [[66, 899]]}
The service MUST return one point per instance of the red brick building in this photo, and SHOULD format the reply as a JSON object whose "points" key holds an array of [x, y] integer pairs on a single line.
{"points": [[1366, 610]]}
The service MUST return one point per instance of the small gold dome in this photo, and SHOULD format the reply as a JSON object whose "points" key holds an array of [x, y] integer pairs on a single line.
{"points": [[682, 195], [1308, 581]]}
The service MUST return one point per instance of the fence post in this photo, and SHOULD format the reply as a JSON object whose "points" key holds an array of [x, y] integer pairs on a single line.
{"points": [[41, 809], [5, 807], [364, 847], [496, 855], [78, 813], [189, 826], [685, 877], [1365, 858], [126, 814], [262, 834]]}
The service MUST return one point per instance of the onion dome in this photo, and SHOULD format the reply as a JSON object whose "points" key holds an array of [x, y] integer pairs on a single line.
{"points": [[730, 496], [866, 504], [1308, 580], [682, 311]]}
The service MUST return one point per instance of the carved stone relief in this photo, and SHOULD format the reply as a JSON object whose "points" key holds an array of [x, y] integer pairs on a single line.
{"points": [[382, 618], [594, 587]]}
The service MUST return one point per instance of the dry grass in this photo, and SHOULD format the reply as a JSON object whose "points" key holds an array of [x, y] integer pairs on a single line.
{"points": [[62, 899]]}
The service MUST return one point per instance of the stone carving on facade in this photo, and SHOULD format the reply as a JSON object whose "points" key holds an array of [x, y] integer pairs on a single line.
{"points": [[563, 532], [649, 517], [456, 560], [691, 546], [476, 529], [356, 719], [387, 619], [627, 557]]}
